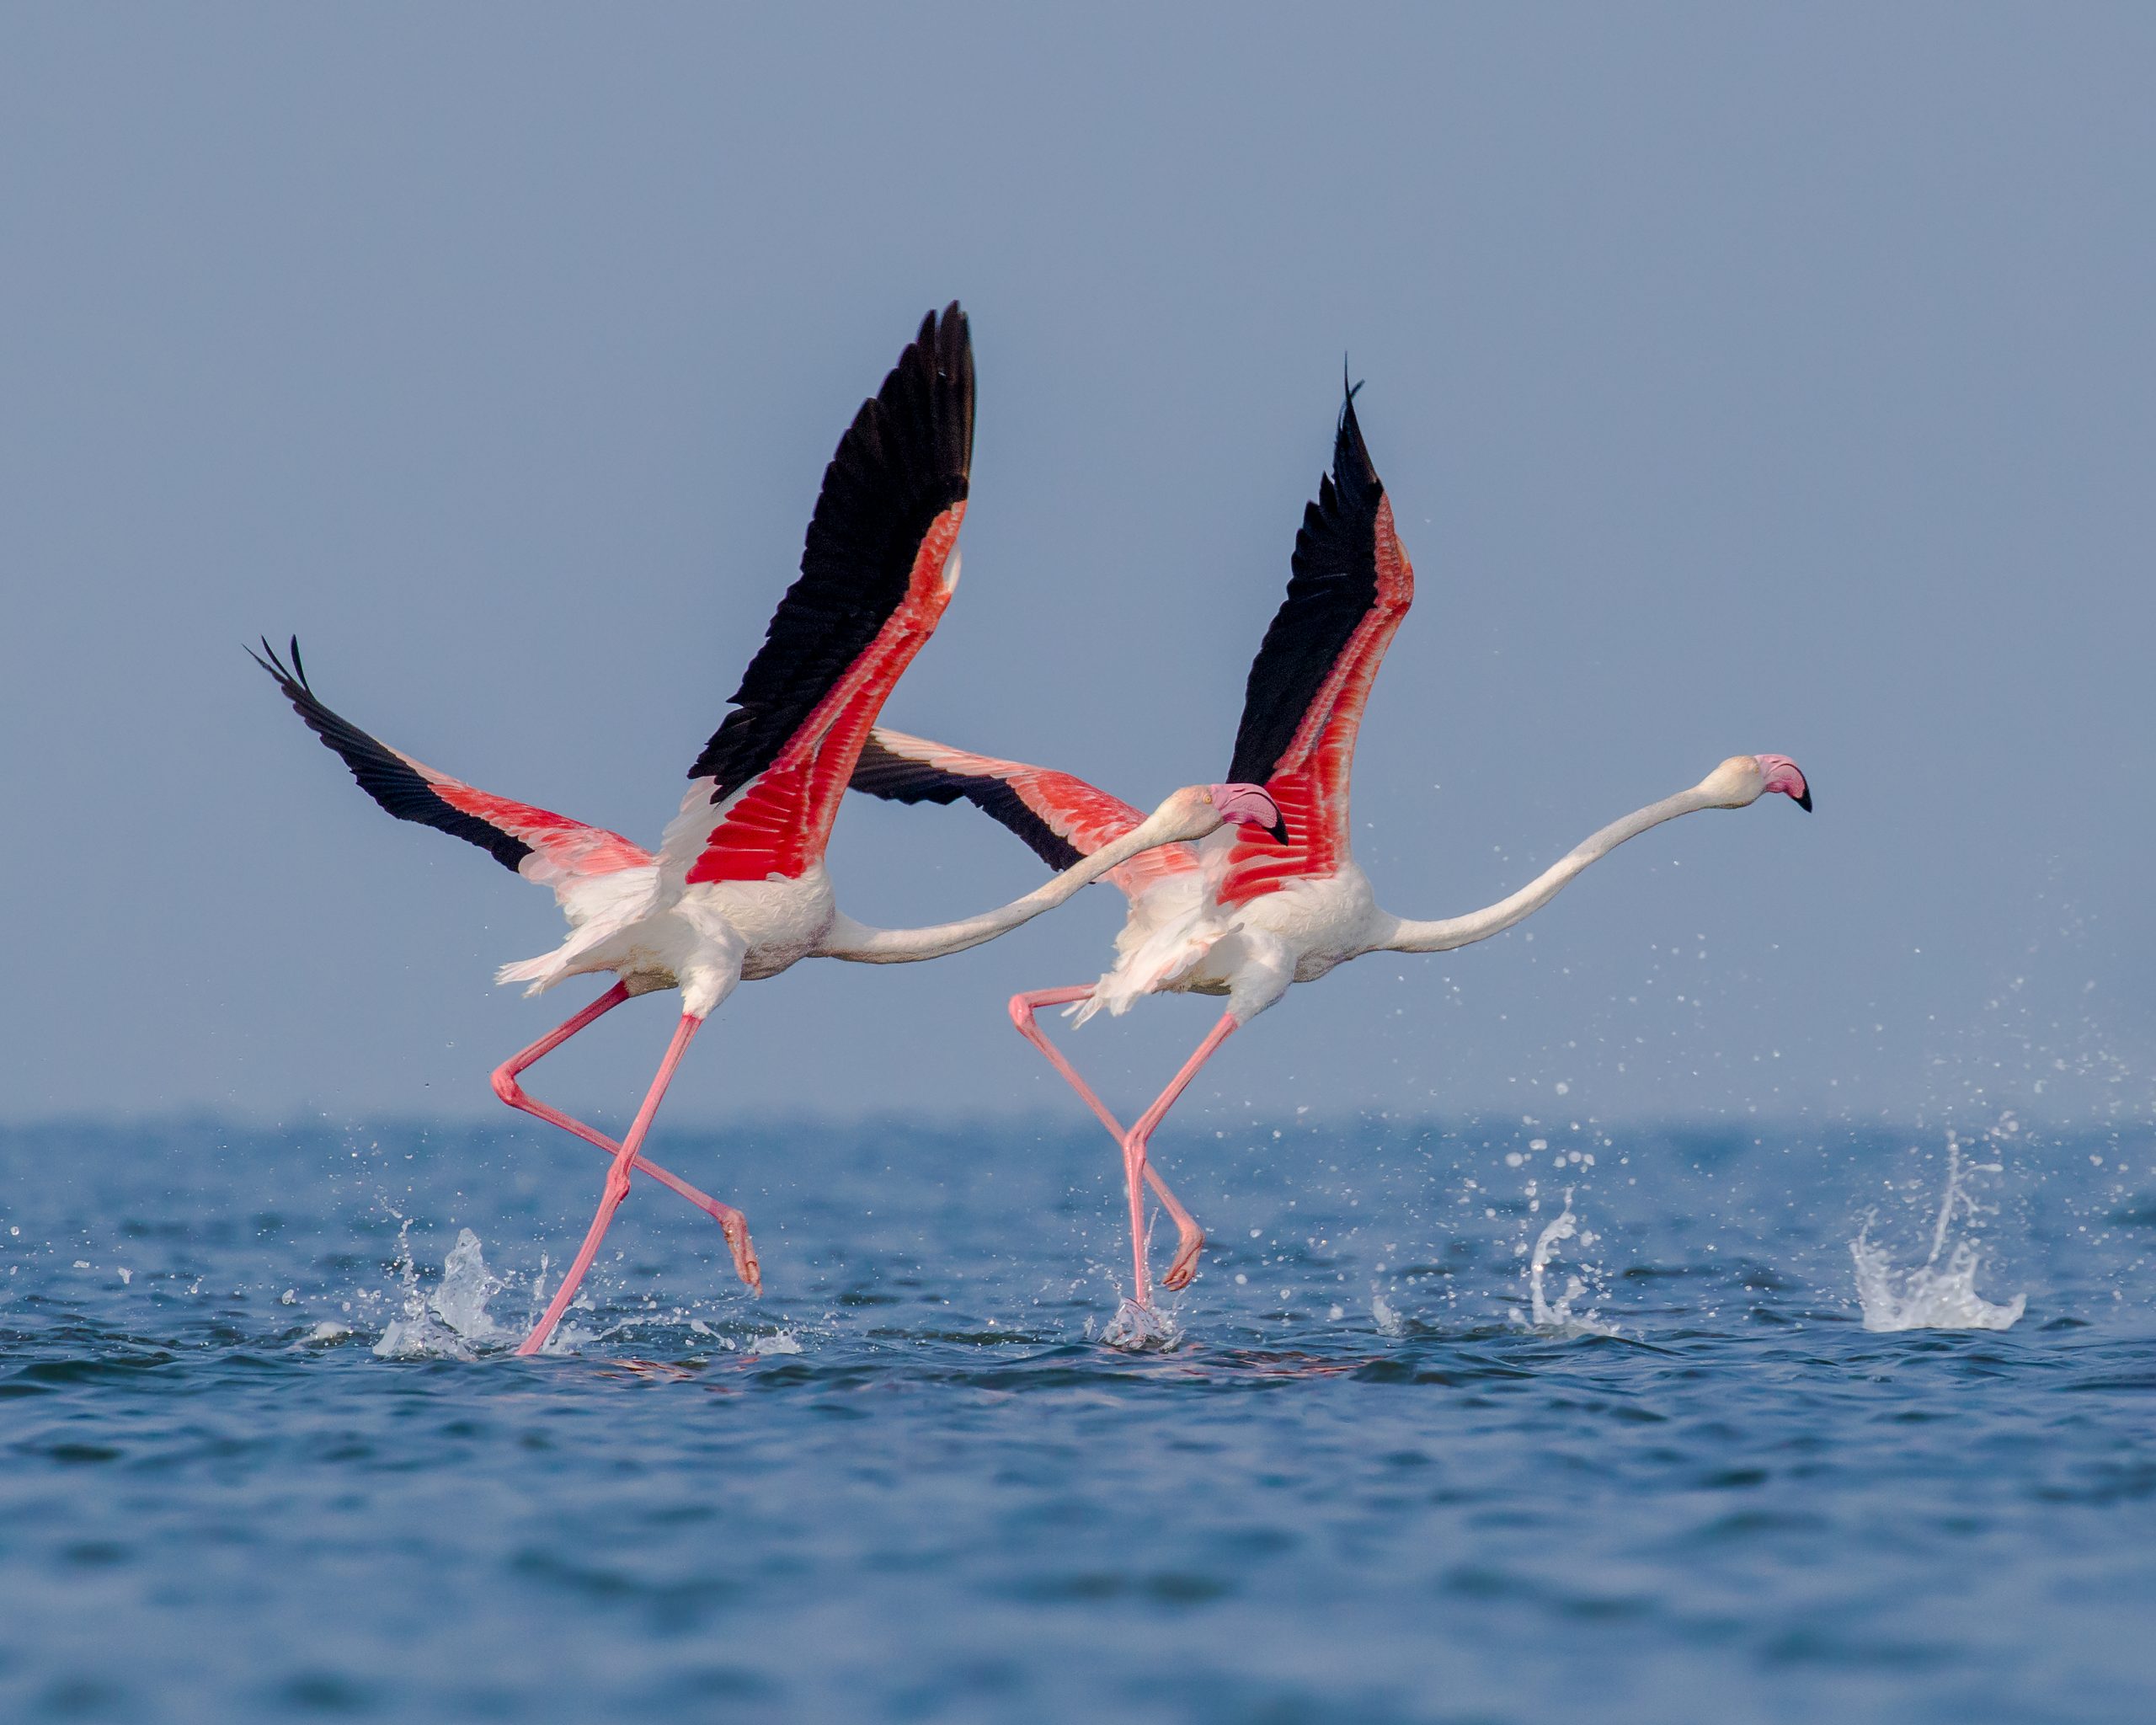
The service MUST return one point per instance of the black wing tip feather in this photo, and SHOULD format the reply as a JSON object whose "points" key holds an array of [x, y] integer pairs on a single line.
{"points": [[881, 771], [905, 458], [1351, 455], [384, 775], [937, 370], [1331, 588], [269, 661]]}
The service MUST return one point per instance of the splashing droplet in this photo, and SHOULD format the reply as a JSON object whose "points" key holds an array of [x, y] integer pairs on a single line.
{"points": [[1933, 1295]]}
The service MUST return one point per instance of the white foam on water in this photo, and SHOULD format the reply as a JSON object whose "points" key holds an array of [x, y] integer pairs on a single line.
{"points": [[777, 1342], [1558, 1319], [1141, 1329], [1933, 1295]]}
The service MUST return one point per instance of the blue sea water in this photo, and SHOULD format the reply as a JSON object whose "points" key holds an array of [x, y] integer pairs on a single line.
{"points": [[267, 1458]]}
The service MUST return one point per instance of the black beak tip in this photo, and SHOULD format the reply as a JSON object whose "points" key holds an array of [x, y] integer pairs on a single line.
{"points": [[1279, 829], [1804, 801]]}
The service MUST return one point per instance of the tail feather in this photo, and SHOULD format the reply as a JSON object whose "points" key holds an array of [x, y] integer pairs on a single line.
{"points": [[1163, 958], [543, 973]]}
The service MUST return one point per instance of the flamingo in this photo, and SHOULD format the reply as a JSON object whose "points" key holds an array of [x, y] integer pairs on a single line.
{"points": [[737, 890], [1250, 912]]}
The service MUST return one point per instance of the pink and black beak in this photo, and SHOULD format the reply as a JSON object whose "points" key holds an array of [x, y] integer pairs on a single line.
{"points": [[1249, 805], [1785, 776]]}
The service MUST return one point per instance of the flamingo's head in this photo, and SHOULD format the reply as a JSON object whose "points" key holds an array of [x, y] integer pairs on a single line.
{"points": [[1743, 779], [1196, 810], [1248, 806]]}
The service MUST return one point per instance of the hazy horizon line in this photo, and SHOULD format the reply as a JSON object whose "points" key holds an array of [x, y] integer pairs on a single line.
{"points": [[1054, 1124]]}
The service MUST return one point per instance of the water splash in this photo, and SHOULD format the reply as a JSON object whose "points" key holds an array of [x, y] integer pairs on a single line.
{"points": [[1933, 1295], [1385, 1316], [452, 1322], [461, 1300], [1559, 1319], [1141, 1329]]}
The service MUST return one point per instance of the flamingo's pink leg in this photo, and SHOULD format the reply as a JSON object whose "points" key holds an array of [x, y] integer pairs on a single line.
{"points": [[1135, 1141], [618, 1186], [509, 1090], [1190, 1238]]}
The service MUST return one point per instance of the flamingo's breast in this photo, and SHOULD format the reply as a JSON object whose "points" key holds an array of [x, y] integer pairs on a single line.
{"points": [[1321, 920], [779, 922]]}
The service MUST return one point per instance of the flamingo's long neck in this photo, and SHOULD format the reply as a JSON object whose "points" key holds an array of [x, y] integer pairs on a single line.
{"points": [[1409, 936], [862, 944]]}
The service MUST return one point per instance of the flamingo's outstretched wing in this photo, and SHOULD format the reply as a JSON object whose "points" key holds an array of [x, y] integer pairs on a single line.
{"points": [[876, 572], [1352, 584], [1061, 817], [543, 846]]}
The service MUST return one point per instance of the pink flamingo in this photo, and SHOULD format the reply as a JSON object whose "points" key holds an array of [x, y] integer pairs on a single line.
{"points": [[1248, 914], [737, 890]]}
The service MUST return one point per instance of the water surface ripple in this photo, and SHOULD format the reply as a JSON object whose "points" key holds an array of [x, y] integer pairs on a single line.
{"points": [[909, 1485]]}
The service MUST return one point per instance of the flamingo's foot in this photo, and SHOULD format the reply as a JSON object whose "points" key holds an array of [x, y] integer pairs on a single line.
{"points": [[1139, 1329], [743, 1249], [1188, 1245]]}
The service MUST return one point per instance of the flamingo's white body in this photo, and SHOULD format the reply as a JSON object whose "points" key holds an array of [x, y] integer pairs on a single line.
{"points": [[1179, 939], [1249, 912], [652, 933], [737, 890]]}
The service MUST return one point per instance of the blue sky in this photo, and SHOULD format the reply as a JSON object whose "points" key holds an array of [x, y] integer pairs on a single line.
{"points": [[1744, 379]]}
